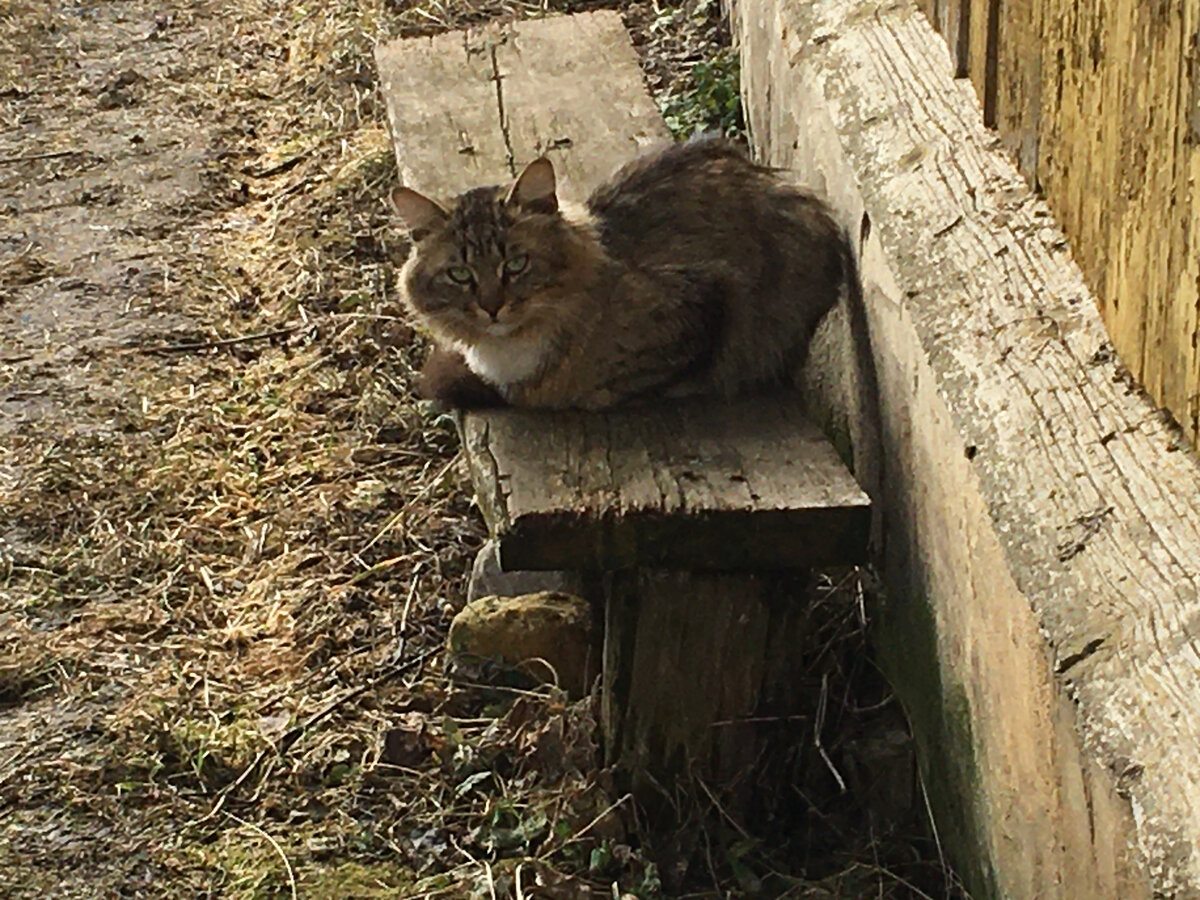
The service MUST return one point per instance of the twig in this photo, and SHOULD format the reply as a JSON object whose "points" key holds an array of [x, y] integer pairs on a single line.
{"points": [[491, 880], [286, 166], [274, 843], [721, 809], [402, 644], [818, 724], [586, 828], [225, 342], [31, 157], [376, 316], [399, 516], [377, 568], [937, 840], [503, 689], [753, 720], [412, 592]]}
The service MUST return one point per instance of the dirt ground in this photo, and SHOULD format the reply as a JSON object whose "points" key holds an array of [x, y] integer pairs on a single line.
{"points": [[231, 539]]}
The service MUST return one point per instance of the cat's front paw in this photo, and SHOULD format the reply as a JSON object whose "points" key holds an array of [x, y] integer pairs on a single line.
{"points": [[447, 381]]}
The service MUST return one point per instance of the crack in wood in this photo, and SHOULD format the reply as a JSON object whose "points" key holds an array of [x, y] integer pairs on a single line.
{"points": [[1067, 662], [504, 130], [1090, 524]]}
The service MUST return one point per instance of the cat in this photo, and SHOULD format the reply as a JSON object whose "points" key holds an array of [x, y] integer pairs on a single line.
{"points": [[691, 271]]}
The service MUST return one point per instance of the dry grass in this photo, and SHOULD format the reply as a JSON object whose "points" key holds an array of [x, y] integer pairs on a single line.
{"points": [[221, 613]]}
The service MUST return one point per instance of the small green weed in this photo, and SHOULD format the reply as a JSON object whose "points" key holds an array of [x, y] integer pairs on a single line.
{"points": [[711, 100]]}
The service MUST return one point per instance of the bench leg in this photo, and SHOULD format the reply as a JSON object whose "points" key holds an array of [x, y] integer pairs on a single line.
{"points": [[689, 657]]}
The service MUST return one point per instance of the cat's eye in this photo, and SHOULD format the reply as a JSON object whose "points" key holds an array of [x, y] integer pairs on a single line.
{"points": [[515, 265], [460, 274]]}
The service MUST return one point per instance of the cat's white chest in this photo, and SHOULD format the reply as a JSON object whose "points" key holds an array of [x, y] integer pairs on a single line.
{"points": [[505, 361]]}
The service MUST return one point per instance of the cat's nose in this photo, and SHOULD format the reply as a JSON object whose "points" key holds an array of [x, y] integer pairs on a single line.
{"points": [[491, 303]]}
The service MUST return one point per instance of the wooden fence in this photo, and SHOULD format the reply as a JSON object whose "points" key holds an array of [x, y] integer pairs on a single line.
{"points": [[1100, 102]]}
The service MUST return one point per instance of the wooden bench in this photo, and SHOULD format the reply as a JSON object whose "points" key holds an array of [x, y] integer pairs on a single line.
{"points": [[678, 515]]}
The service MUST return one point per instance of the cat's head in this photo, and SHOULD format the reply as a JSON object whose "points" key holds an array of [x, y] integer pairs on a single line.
{"points": [[496, 262]]}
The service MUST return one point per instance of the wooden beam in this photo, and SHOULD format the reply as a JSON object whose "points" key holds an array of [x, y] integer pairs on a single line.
{"points": [[982, 24], [749, 485], [1042, 516], [1099, 101], [1018, 84], [952, 20]]}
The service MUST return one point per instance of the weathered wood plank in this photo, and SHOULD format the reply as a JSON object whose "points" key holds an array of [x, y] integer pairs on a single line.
{"points": [[952, 18], [1018, 88], [982, 27], [444, 147], [1183, 333], [471, 108], [1098, 101], [953, 22], [682, 653], [572, 88], [1043, 524], [745, 485]]}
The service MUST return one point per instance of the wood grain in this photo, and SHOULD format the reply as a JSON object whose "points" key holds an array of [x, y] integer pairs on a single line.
{"points": [[442, 147], [1018, 85], [682, 653], [1100, 102], [747, 485], [982, 26], [573, 90], [952, 19], [470, 108]]}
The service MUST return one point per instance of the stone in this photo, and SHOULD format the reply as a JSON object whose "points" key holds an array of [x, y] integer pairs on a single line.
{"points": [[488, 579], [549, 635]]}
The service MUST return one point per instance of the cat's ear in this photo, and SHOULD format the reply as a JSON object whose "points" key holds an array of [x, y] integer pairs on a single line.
{"points": [[418, 214], [534, 188]]}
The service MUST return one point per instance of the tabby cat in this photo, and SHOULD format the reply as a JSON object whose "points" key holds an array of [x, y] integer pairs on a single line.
{"points": [[691, 271]]}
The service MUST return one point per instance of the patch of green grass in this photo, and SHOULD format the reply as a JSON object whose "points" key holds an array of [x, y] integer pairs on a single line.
{"points": [[336, 882], [248, 862]]}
